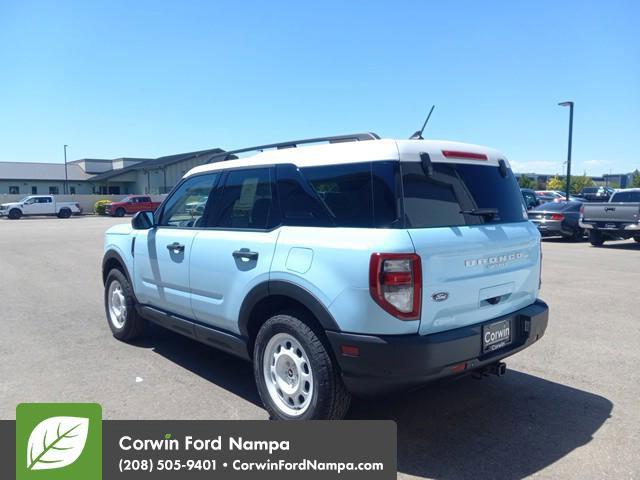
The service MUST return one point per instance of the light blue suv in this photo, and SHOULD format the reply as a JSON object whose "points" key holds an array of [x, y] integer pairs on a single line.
{"points": [[352, 265]]}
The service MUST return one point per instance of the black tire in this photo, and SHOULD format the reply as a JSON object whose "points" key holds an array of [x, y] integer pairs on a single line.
{"points": [[15, 214], [133, 325], [64, 213], [578, 235], [637, 239], [329, 398], [596, 238], [120, 212]]}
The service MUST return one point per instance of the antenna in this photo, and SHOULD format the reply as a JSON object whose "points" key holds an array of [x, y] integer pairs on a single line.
{"points": [[418, 134]]}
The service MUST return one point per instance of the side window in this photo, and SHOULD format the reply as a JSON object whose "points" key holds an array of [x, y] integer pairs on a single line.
{"points": [[346, 192], [247, 200], [386, 184], [185, 208]]}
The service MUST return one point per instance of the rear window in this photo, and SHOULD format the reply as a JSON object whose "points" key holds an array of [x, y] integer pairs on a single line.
{"points": [[626, 197], [449, 196], [560, 206]]}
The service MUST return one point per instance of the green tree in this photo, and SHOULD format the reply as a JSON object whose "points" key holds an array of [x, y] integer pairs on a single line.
{"points": [[635, 179], [556, 183], [578, 183], [526, 182]]}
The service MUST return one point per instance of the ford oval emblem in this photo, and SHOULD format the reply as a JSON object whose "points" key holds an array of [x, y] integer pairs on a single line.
{"points": [[440, 296]]}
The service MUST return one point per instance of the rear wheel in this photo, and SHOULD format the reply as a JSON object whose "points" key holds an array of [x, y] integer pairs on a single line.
{"points": [[596, 238], [296, 377], [119, 302], [64, 213], [120, 212], [578, 234], [637, 239], [15, 214]]}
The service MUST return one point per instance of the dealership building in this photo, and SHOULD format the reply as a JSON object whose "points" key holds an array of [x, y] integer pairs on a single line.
{"points": [[119, 176]]}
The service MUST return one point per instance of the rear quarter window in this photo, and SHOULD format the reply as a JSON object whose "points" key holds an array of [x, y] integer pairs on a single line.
{"points": [[359, 195]]}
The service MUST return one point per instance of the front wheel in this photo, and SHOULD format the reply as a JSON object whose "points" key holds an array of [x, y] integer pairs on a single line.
{"points": [[120, 212], [15, 214], [119, 303], [296, 377], [637, 239]]}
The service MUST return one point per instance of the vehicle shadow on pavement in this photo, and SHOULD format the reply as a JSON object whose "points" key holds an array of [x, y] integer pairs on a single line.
{"points": [[226, 371], [497, 428], [621, 246]]}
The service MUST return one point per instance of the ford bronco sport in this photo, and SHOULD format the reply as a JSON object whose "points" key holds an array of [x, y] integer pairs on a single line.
{"points": [[352, 266]]}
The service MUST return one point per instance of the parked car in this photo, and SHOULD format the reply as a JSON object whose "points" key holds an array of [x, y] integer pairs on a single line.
{"points": [[549, 196], [597, 194], [39, 205], [131, 204], [558, 219], [353, 267], [530, 198], [618, 218]]}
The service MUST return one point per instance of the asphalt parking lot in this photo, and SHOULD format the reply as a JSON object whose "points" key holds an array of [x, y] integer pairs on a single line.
{"points": [[568, 407]]}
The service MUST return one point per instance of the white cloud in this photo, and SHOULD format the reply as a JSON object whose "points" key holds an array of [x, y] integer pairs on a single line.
{"points": [[597, 163], [536, 166]]}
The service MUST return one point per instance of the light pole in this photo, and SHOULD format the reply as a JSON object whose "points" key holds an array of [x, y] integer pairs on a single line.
{"points": [[66, 176], [570, 105]]}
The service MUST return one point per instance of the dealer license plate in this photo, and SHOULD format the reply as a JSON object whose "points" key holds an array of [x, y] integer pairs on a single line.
{"points": [[496, 335]]}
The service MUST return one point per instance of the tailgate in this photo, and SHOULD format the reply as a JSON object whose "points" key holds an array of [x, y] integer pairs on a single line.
{"points": [[475, 273], [612, 212]]}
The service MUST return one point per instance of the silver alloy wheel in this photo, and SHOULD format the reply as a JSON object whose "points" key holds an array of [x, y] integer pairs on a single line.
{"points": [[117, 305], [287, 374]]}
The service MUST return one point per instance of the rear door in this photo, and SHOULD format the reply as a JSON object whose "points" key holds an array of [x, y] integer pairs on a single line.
{"points": [[161, 255], [480, 255], [234, 254]]}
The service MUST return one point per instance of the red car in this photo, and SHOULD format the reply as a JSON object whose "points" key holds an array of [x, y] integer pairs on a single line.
{"points": [[132, 204]]}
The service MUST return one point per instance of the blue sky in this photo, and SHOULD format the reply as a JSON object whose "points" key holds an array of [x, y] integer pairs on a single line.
{"points": [[151, 78]]}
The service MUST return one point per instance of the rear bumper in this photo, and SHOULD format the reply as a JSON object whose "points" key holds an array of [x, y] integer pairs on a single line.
{"points": [[552, 228], [392, 362], [629, 227]]}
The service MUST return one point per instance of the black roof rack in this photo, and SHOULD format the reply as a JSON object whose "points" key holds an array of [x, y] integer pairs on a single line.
{"points": [[355, 137]]}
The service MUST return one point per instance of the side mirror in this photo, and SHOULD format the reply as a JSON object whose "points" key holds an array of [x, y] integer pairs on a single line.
{"points": [[142, 221]]}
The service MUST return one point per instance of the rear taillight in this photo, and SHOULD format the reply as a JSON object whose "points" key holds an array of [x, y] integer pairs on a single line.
{"points": [[581, 212], [557, 216], [395, 283]]}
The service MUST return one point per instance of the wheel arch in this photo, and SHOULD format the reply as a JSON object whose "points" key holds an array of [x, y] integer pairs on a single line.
{"points": [[270, 297], [111, 260]]}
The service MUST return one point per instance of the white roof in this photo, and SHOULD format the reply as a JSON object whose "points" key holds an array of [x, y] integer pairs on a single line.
{"points": [[357, 152]]}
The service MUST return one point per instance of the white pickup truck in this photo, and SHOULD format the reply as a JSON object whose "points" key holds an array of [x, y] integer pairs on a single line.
{"points": [[39, 205]]}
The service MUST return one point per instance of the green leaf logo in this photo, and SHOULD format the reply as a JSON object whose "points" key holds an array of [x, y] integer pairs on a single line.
{"points": [[57, 442]]}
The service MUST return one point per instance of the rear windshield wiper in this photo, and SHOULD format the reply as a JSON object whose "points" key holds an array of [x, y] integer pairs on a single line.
{"points": [[488, 213]]}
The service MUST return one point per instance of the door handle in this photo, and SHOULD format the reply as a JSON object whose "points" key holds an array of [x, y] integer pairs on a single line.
{"points": [[176, 247], [245, 253]]}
